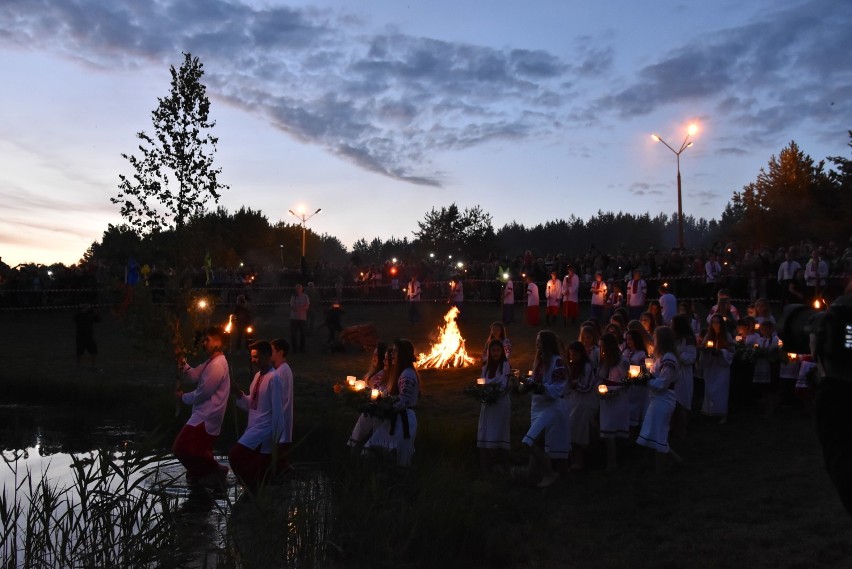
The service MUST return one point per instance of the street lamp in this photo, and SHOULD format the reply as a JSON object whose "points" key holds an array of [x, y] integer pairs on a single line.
{"points": [[304, 220], [686, 144]]}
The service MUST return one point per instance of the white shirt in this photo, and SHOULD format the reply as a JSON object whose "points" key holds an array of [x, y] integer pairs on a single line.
{"points": [[787, 270], [286, 375], [712, 270], [669, 304], [532, 294], [210, 399], [636, 297], [598, 293], [265, 406], [815, 273], [571, 288], [553, 292], [509, 293], [413, 291]]}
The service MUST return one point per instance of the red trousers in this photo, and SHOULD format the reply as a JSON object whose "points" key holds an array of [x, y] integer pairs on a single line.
{"points": [[251, 466], [570, 309], [193, 447], [533, 313]]}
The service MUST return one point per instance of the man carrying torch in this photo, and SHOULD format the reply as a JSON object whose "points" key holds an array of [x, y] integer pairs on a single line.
{"points": [[193, 446]]}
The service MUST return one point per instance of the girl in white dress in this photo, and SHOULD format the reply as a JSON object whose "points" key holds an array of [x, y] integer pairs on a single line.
{"points": [[716, 355], [492, 433], [397, 433], [615, 407], [655, 426], [366, 425], [687, 355], [637, 395], [583, 401], [549, 410]]}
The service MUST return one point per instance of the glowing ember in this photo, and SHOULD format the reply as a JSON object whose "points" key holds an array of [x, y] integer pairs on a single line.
{"points": [[449, 351]]}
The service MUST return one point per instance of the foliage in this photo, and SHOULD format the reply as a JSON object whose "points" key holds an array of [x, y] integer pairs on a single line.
{"points": [[449, 231], [378, 251], [174, 174], [230, 238], [793, 198], [605, 231], [106, 518]]}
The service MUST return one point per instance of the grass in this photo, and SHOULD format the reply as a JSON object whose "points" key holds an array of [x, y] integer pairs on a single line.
{"points": [[751, 493]]}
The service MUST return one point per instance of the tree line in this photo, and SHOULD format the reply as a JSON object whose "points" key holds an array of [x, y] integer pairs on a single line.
{"points": [[165, 200]]}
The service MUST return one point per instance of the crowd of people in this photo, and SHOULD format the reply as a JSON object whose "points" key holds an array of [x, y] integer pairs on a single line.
{"points": [[635, 372], [748, 273]]}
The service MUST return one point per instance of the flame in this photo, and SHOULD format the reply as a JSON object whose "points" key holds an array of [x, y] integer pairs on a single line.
{"points": [[230, 325], [449, 351]]}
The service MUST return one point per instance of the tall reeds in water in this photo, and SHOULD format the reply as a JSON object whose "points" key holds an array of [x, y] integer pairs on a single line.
{"points": [[106, 516]]}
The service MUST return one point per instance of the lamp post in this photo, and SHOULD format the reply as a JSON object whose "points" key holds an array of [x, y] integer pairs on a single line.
{"points": [[303, 219], [686, 144]]}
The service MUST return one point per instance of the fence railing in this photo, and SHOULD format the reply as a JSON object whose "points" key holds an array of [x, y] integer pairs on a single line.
{"points": [[742, 289]]}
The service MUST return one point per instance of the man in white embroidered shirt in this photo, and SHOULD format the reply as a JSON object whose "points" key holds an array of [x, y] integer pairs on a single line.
{"points": [[193, 446], [251, 457]]}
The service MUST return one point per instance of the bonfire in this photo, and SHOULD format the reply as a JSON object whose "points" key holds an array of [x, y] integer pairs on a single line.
{"points": [[449, 350]]}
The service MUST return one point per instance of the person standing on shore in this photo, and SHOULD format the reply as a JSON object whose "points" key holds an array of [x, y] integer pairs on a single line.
{"points": [[193, 446], [571, 296], [412, 295], [533, 303], [509, 302], [553, 296], [84, 333], [637, 290], [299, 306]]}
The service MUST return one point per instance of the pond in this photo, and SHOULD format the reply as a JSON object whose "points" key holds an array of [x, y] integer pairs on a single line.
{"points": [[119, 502]]}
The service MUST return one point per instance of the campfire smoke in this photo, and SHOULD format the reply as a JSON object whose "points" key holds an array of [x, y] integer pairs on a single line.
{"points": [[449, 350]]}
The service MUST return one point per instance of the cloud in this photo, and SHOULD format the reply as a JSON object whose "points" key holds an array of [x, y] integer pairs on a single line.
{"points": [[390, 102], [645, 189], [704, 197], [766, 76], [386, 101]]}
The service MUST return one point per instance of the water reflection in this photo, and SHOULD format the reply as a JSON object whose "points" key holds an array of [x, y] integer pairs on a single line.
{"points": [[286, 526]]}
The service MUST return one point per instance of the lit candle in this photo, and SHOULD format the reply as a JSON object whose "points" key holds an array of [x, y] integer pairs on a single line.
{"points": [[603, 389], [360, 385], [756, 326], [634, 371], [649, 363], [739, 338], [480, 381], [710, 343], [817, 304], [792, 356], [780, 343], [350, 379], [374, 394], [529, 373], [756, 345]]}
